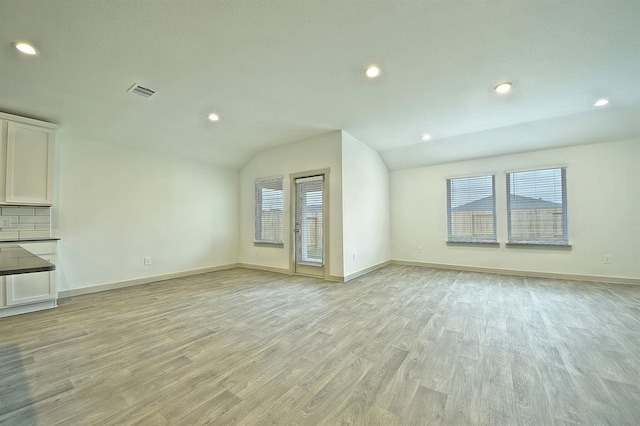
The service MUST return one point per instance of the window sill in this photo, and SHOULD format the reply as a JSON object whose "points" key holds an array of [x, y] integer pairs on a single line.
{"points": [[475, 243], [267, 244], [540, 244]]}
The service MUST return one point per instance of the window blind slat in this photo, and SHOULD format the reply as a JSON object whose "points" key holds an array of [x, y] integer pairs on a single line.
{"points": [[537, 207], [269, 202], [471, 209], [310, 218]]}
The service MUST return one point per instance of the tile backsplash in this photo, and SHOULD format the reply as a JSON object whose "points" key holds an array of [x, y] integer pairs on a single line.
{"points": [[24, 222]]}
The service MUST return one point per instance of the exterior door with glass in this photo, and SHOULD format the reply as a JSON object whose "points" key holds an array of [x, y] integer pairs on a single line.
{"points": [[309, 226]]}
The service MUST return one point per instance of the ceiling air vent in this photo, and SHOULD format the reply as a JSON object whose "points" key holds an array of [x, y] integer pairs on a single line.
{"points": [[141, 90]]}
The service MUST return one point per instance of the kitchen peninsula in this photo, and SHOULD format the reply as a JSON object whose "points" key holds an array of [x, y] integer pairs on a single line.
{"points": [[16, 260]]}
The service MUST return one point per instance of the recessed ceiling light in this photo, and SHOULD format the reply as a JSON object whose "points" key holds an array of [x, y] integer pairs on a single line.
{"points": [[601, 102], [502, 88], [426, 137], [213, 117], [25, 48], [372, 71]]}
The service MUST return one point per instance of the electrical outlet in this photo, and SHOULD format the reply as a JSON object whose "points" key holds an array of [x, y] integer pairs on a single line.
{"points": [[147, 260], [608, 259], [419, 250], [354, 255], [5, 222]]}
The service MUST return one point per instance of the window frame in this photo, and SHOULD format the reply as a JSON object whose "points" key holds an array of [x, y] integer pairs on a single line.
{"points": [[540, 241], [487, 240], [259, 185]]}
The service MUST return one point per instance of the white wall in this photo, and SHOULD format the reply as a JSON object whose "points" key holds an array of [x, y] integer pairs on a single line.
{"points": [[365, 206], [117, 205], [603, 190], [312, 154]]}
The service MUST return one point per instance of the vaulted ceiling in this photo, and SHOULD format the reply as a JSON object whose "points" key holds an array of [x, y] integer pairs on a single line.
{"points": [[279, 71]]}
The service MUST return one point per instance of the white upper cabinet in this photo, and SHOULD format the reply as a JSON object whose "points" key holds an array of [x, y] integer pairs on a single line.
{"points": [[27, 160]]}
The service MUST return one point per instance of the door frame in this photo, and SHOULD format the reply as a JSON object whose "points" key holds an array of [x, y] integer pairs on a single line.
{"points": [[325, 217]]}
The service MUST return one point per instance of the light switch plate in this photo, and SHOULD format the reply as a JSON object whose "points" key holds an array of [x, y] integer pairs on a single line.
{"points": [[5, 222]]}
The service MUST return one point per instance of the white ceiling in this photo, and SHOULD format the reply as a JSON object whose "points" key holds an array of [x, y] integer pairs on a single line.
{"points": [[279, 71]]}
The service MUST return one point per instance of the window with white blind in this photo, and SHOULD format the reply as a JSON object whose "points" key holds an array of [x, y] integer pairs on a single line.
{"points": [[471, 209], [269, 211], [537, 206]]}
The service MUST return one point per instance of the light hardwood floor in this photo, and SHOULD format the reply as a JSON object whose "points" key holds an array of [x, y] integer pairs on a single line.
{"points": [[402, 345]]}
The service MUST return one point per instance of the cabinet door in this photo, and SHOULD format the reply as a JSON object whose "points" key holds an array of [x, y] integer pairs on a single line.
{"points": [[29, 288], [29, 164]]}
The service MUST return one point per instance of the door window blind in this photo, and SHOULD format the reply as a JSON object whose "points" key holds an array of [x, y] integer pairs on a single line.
{"points": [[471, 210], [269, 210], [310, 220], [537, 206]]}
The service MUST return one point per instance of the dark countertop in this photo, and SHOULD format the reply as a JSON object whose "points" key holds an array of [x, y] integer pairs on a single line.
{"points": [[16, 260], [30, 240]]}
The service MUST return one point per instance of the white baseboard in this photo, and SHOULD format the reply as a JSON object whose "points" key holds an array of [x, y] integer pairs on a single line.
{"points": [[365, 271], [138, 281], [155, 278], [264, 268], [332, 278], [25, 309], [533, 274]]}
